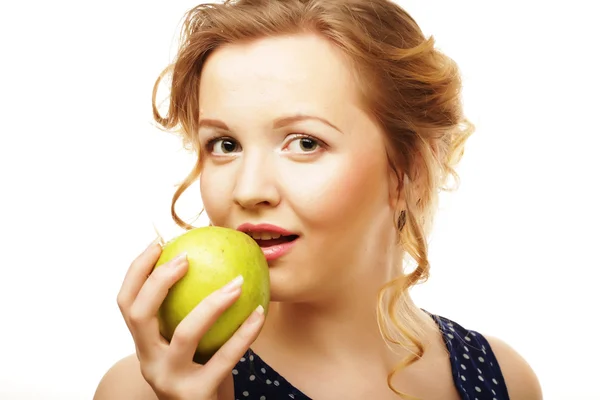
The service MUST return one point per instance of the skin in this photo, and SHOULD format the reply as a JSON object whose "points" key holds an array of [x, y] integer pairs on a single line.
{"points": [[336, 191], [337, 196]]}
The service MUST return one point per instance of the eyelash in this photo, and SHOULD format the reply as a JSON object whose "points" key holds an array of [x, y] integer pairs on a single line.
{"points": [[213, 139], [295, 136]]}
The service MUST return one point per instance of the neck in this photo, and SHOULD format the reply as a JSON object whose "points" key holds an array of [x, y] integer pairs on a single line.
{"points": [[329, 329], [341, 328]]}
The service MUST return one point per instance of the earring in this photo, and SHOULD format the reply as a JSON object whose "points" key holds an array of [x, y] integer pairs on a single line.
{"points": [[401, 220]]}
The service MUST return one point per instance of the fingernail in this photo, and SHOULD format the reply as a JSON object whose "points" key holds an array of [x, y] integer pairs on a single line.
{"points": [[154, 243], [179, 260], [233, 285], [256, 315]]}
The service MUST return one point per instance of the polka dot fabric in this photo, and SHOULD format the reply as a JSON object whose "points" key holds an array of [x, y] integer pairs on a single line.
{"points": [[255, 380], [475, 370], [476, 373]]}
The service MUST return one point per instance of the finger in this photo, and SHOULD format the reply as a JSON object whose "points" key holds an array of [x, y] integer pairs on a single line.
{"points": [[136, 275], [142, 316], [225, 359], [191, 329]]}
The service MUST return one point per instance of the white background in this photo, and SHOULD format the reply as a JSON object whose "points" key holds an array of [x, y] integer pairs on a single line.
{"points": [[84, 174]]}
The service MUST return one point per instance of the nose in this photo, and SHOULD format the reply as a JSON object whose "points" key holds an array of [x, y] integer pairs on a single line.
{"points": [[255, 183]]}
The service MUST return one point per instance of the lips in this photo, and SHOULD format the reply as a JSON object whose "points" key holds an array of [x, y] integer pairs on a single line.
{"points": [[273, 240], [268, 238]]}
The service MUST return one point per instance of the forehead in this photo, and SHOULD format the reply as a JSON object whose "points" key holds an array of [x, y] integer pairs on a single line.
{"points": [[300, 73]]}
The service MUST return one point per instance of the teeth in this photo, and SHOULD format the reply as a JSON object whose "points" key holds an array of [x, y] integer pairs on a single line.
{"points": [[264, 235]]}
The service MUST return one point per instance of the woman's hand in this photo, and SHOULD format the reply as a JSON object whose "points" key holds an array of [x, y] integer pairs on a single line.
{"points": [[169, 367]]}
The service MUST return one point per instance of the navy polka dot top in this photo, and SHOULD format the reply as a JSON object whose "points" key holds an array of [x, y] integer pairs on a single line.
{"points": [[475, 370]]}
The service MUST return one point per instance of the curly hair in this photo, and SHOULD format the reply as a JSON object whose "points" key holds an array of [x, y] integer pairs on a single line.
{"points": [[407, 86]]}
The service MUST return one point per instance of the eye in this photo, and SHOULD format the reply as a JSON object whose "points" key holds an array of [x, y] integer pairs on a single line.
{"points": [[222, 146], [304, 144]]}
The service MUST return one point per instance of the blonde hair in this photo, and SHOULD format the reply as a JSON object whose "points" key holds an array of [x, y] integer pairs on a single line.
{"points": [[410, 88]]}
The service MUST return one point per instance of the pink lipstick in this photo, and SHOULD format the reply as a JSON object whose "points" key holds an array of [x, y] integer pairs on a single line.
{"points": [[273, 240]]}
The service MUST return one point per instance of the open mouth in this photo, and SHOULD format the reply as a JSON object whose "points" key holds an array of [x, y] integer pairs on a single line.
{"points": [[265, 240], [274, 241]]}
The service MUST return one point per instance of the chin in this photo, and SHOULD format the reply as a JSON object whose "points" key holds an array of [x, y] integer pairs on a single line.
{"points": [[280, 289], [285, 287]]}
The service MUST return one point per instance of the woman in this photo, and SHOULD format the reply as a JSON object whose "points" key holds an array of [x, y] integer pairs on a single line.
{"points": [[328, 125]]}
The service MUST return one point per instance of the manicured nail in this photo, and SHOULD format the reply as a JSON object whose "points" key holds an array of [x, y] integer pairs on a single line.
{"points": [[154, 243], [179, 260], [256, 314], [233, 285]]}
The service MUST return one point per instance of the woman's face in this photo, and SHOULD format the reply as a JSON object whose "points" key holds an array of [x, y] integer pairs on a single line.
{"points": [[285, 143]]}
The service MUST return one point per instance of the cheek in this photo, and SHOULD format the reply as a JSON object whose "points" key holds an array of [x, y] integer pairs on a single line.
{"points": [[216, 193], [339, 194]]}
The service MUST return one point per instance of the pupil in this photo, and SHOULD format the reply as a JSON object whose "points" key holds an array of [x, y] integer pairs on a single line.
{"points": [[307, 144], [228, 146]]}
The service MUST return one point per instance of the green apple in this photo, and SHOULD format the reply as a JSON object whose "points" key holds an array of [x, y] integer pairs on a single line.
{"points": [[215, 256]]}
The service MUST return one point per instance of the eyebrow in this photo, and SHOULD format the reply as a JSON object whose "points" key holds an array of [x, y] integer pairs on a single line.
{"points": [[212, 123], [278, 123], [283, 121]]}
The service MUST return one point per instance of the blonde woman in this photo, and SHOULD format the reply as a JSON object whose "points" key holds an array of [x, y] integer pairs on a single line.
{"points": [[325, 129]]}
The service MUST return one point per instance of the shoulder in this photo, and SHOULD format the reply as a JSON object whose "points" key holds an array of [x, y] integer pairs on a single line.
{"points": [[521, 381], [124, 381], [477, 357]]}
